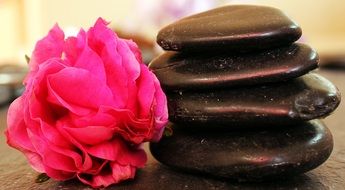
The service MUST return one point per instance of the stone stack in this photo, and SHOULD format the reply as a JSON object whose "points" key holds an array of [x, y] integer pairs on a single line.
{"points": [[241, 100]]}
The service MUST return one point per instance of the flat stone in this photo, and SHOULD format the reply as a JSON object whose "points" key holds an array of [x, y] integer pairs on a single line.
{"points": [[308, 97], [235, 28], [197, 71], [247, 155]]}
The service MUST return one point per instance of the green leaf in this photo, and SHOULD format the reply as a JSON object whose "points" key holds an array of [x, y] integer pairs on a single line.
{"points": [[42, 178], [27, 58], [168, 131]]}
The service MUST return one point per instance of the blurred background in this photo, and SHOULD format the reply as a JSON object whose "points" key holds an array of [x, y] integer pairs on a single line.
{"points": [[23, 22]]}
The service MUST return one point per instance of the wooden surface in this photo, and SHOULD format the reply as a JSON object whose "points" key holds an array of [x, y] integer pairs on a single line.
{"points": [[15, 173]]}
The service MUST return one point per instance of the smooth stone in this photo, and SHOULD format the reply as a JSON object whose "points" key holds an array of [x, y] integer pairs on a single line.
{"points": [[246, 155], [308, 97], [235, 28], [195, 71]]}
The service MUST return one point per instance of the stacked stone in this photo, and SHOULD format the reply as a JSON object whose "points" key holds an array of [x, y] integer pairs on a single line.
{"points": [[241, 100]]}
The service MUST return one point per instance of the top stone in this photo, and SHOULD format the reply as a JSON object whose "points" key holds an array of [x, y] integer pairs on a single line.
{"points": [[239, 28]]}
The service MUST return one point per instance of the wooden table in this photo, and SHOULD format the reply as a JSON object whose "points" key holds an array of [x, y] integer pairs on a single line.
{"points": [[15, 173]]}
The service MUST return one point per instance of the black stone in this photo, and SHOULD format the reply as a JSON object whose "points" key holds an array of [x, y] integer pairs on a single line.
{"points": [[246, 155], [236, 28], [196, 71], [308, 97]]}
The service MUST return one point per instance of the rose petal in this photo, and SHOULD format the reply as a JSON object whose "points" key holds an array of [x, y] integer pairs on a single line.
{"points": [[117, 150], [130, 127], [122, 172], [55, 157], [49, 47], [36, 92], [117, 80], [82, 56], [94, 119], [161, 112], [145, 92], [97, 166], [46, 68], [93, 92], [53, 136], [158, 130], [16, 133], [58, 174], [111, 174], [96, 181], [91, 135], [135, 50], [129, 60], [87, 161], [35, 160], [132, 104], [160, 105], [105, 42]]}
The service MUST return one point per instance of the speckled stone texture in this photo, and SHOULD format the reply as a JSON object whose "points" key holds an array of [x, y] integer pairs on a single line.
{"points": [[246, 154], [184, 71], [308, 97]]}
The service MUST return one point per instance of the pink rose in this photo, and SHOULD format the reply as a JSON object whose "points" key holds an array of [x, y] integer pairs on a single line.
{"points": [[88, 105]]}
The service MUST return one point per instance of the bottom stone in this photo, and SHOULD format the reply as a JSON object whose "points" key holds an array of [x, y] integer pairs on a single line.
{"points": [[246, 155]]}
